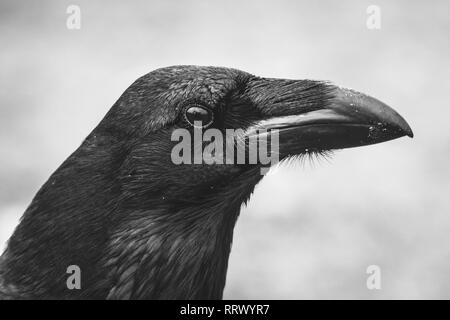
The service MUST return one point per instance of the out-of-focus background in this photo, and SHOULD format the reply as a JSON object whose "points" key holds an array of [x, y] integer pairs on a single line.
{"points": [[311, 230]]}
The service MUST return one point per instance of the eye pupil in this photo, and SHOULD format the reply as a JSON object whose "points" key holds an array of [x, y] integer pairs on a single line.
{"points": [[199, 116]]}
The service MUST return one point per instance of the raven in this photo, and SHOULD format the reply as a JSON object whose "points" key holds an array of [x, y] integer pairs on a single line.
{"points": [[139, 226]]}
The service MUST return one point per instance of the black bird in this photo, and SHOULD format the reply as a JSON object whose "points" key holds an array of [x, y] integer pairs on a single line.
{"points": [[140, 226]]}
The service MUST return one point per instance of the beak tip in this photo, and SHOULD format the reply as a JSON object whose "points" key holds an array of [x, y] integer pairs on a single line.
{"points": [[410, 134], [374, 111], [404, 128]]}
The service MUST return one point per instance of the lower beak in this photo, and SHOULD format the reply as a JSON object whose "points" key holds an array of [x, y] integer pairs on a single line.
{"points": [[350, 119]]}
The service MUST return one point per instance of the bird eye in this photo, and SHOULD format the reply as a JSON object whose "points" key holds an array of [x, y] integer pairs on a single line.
{"points": [[199, 116]]}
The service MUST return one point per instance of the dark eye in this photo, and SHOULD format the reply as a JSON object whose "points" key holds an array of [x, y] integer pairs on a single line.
{"points": [[199, 116]]}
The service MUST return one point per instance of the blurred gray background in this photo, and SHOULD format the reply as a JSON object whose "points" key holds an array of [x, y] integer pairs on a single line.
{"points": [[310, 230]]}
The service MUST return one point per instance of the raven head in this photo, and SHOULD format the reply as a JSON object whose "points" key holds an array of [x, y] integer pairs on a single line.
{"points": [[161, 109], [139, 222]]}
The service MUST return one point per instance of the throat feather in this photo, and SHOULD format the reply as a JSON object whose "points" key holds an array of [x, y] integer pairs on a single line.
{"points": [[154, 258]]}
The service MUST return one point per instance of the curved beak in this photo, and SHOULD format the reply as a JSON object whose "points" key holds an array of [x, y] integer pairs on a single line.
{"points": [[344, 119]]}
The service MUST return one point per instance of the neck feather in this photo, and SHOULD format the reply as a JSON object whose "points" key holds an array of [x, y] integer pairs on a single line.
{"points": [[171, 258]]}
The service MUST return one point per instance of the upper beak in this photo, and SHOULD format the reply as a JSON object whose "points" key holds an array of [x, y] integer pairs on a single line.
{"points": [[347, 119]]}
